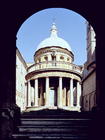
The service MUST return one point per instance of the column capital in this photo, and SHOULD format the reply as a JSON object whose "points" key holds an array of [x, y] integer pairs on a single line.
{"points": [[60, 77], [36, 79], [47, 77], [71, 78], [79, 82]]}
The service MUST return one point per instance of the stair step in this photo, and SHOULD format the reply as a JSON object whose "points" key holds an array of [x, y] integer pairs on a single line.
{"points": [[31, 136], [58, 112], [51, 116], [61, 119], [52, 124], [54, 121], [54, 130], [56, 125], [43, 126]]}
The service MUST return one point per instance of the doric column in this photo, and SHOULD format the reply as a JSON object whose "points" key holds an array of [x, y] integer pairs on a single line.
{"points": [[71, 93], [29, 97], [78, 93], [25, 96], [47, 92], [60, 93], [30, 94], [36, 92]]}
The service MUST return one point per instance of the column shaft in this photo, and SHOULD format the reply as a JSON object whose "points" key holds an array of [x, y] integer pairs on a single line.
{"points": [[47, 92], [71, 93], [29, 97], [60, 92], [36, 92]]}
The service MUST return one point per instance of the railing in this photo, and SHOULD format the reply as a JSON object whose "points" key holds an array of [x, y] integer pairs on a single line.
{"points": [[55, 65]]}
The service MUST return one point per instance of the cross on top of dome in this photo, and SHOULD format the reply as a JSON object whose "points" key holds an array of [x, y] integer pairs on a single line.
{"points": [[54, 30]]}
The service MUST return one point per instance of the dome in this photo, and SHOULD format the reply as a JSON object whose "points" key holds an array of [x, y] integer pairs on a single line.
{"points": [[54, 40]]}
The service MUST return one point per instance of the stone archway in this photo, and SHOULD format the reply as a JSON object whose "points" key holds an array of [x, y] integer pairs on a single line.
{"points": [[87, 14]]}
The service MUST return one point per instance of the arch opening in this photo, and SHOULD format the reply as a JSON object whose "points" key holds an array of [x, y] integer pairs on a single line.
{"points": [[81, 73]]}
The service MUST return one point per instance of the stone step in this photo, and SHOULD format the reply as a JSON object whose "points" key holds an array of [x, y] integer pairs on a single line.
{"points": [[53, 116], [73, 130], [56, 113], [51, 124], [55, 122], [49, 137], [71, 119]]}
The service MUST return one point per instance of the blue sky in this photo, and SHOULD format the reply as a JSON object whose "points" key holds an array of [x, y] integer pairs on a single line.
{"points": [[71, 27]]}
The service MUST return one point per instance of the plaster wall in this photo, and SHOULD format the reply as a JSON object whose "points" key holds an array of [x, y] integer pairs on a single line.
{"points": [[20, 83], [89, 92]]}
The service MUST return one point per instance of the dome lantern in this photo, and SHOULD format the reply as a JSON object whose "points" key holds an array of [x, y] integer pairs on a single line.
{"points": [[54, 40]]}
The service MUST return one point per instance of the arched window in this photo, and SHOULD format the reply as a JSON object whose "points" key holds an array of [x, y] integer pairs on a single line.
{"points": [[39, 60], [53, 58], [62, 57]]}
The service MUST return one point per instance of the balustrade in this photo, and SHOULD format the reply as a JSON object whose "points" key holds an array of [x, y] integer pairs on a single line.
{"points": [[55, 64]]}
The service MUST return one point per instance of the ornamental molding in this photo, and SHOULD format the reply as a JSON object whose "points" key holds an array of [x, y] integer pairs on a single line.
{"points": [[56, 73]]}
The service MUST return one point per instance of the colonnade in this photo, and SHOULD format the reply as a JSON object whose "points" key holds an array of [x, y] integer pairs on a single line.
{"points": [[59, 94]]}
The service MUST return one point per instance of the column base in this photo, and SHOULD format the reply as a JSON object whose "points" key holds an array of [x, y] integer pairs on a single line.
{"points": [[52, 107], [28, 106], [71, 108], [68, 108], [28, 109], [60, 106], [36, 106]]}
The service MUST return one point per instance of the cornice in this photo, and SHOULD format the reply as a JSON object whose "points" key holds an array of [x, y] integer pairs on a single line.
{"points": [[31, 74], [21, 58]]}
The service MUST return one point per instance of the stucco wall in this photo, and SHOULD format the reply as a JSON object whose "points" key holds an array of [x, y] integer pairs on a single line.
{"points": [[20, 83], [89, 92]]}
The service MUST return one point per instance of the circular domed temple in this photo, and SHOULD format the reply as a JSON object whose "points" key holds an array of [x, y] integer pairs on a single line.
{"points": [[53, 80]]}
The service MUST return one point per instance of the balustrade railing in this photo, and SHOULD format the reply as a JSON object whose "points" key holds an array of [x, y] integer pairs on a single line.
{"points": [[55, 65]]}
